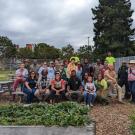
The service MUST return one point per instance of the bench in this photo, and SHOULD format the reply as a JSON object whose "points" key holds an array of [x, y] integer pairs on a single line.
{"points": [[6, 86], [20, 94]]}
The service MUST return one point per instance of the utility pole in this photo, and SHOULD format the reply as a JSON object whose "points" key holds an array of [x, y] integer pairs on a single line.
{"points": [[88, 41]]}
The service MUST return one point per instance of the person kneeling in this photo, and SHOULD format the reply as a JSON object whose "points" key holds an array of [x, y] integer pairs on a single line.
{"points": [[57, 88], [101, 86], [89, 92]]}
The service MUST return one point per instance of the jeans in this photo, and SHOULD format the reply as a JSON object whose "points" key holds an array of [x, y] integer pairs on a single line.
{"points": [[132, 89], [16, 83], [75, 95], [127, 91], [30, 94], [89, 98]]}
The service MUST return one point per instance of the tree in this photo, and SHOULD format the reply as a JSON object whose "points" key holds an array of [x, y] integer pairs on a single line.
{"points": [[85, 52], [112, 28], [45, 51], [67, 51], [25, 53], [8, 48]]}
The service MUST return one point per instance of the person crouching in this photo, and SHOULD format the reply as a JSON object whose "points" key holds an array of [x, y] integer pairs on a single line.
{"points": [[57, 88]]}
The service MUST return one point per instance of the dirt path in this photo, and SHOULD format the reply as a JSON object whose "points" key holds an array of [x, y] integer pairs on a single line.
{"points": [[113, 119]]}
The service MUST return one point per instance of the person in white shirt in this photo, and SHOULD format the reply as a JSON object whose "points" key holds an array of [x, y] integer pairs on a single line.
{"points": [[51, 72], [89, 92], [43, 66], [21, 75]]}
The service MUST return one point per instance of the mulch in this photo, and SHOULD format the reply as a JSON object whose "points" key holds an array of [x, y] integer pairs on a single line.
{"points": [[113, 119]]}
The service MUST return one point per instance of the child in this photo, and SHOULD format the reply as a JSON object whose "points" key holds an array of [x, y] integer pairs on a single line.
{"points": [[89, 92]]}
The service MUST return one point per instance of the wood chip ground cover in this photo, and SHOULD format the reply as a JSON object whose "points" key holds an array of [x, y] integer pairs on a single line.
{"points": [[113, 119]]}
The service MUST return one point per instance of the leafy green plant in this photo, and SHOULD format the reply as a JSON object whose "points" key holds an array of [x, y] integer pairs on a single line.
{"points": [[62, 114]]}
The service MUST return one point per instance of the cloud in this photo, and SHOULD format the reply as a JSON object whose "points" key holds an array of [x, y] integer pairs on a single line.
{"points": [[56, 22]]}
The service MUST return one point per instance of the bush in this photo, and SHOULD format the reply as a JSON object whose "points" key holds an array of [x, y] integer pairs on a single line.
{"points": [[62, 114]]}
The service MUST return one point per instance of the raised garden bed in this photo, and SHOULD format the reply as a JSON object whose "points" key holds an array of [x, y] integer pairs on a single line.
{"points": [[43, 119]]}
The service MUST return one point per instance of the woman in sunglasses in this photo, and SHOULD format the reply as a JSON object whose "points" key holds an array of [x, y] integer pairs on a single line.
{"points": [[30, 86]]}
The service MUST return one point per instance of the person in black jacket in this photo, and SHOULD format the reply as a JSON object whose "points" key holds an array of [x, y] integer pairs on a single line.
{"points": [[123, 79]]}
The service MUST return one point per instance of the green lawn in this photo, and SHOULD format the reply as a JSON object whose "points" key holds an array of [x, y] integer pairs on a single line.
{"points": [[4, 74]]}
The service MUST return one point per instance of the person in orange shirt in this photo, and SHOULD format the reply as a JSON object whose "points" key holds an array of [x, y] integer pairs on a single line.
{"points": [[71, 66]]}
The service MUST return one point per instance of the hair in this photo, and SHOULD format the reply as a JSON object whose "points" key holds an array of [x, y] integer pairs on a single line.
{"points": [[58, 73], [91, 77], [44, 72], [101, 76], [35, 77]]}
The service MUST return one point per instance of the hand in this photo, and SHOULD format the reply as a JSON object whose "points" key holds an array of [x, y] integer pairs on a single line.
{"points": [[30, 90], [57, 93], [114, 81]]}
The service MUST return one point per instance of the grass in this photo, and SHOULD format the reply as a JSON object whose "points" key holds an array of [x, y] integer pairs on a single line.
{"points": [[132, 117], [4, 74], [62, 114]]}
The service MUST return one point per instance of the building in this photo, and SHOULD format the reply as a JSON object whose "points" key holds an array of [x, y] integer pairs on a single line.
{"points": [[30, 46]]}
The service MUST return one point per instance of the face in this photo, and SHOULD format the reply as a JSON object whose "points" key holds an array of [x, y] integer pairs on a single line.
{"points": [[99, 77], [44, 65], [90, 79], [131, 65], [51, 64], [111, 67], [72, 61], [86, 61], [73, 73], [109, 53], [32, 74], [62, 66], [86, 76], [57, 76], [22, 66]]}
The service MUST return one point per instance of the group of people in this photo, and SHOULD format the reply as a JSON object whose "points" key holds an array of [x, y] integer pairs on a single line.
{"points": [[73, 80]]}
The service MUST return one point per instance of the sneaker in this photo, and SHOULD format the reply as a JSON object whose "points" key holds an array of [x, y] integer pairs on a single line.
{"points": [[88, 106], [91, 104]]}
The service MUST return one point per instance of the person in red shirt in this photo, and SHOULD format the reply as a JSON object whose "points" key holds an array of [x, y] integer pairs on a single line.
{"points": [[57, 87]]}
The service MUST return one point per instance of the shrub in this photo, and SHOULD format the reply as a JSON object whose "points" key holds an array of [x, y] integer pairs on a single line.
{"points": [[62, 114]]}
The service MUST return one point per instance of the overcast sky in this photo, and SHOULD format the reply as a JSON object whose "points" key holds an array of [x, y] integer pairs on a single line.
{"points": [[56, 22]]}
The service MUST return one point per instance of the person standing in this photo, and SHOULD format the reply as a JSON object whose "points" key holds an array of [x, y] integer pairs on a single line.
{"points": [[79, 71], [131, 79], [71, 66], [110, 59], [98, 69], [123, 79], [87, 68]]}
